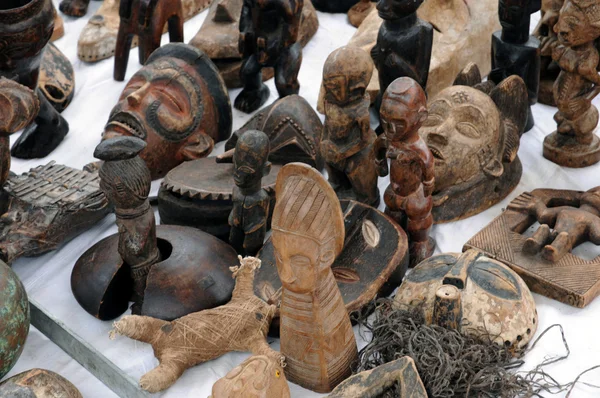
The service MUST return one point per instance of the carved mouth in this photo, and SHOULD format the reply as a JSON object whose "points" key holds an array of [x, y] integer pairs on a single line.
{"points": [[126, 124], [437, 154]]}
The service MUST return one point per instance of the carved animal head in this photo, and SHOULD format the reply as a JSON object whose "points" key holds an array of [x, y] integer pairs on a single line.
{"points": [[308, 227], [250, 159], [579, 22], [396, 9], [471, 133], [403, 109], [259, 376], [346, 75], [177, 103]]}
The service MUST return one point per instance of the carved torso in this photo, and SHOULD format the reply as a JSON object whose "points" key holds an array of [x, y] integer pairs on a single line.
{"points": [[249, 212], [137, 239], [410, 166]]}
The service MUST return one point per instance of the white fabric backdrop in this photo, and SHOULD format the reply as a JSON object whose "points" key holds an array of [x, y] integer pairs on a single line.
{"points": [[47, 278]]}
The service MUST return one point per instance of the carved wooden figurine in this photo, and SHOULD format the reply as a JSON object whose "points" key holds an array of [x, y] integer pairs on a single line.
{"points": [[38, 383], [167, 271], [239, 325], [248, 218], [371, 383], [125, 180], [514, 51], [180, 121], [347, 143], [548, 38], [408, 197], [145, 19], [308, 234], [574, 144], [74, 8], [269, 32], [404, 44], [474, 294], [25, 29], [544, 258], [473, 132]]}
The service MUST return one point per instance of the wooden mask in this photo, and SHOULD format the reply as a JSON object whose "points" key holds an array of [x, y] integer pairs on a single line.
{"points": [[178, 104]]}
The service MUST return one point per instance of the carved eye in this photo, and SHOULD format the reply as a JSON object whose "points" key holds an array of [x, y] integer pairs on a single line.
{"points": [[246, 169], [277, 374], [433, 120], [300, 261], [467, 129]]}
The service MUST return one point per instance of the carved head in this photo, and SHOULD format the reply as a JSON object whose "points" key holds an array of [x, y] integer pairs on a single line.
{"points": [[124, 177], [308, 227], [515, 14], [472, 134], [403, 109], [257, 377], [250, 159], [18, 106], [396, 9], [346, 75], [579, 22], [177, 103]]}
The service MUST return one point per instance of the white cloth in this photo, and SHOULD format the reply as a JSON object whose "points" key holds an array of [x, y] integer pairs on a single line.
{"points": [[47, 278]]}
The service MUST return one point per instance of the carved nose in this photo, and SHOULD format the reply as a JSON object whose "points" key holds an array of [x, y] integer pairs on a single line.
{"points": [[437, 139], [135, 99]]}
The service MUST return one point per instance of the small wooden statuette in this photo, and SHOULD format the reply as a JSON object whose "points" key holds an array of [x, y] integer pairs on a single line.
{"points": [[574, 144], [25, 28], [248, 218], [347, 143], [125, 180], [239, 325], [544, 258], [514, 51], [145, 19], [269, 32], [548, 38], [38, 383], [74, 8], [404, 44], [308, 234], [412, 180], [371, 383]]}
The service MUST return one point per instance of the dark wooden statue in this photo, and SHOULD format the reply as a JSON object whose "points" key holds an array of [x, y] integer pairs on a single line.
{"points": [[548, 38], [269, 38], [25, 28], [145, 19], [514, 51], [574, 143], [347, 143], [179, 121], [546, 257], [334, 5], [74, 8], [125, 180], [404, 44], [248, 218], [412, 180]]}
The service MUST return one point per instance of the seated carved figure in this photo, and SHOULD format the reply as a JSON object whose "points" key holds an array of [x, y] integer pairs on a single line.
{"points": [[473, 130]]}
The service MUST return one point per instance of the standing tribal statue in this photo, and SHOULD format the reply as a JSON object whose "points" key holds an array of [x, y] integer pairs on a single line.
{"points": [[240, 325], [269, 31], [412, 178], [347, 144], [574, 144], [308, 234], [125, 179], [514, 51], [248, 218]]}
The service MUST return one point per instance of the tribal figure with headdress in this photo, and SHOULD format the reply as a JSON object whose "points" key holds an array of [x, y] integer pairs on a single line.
{"points": [[308, 234]]}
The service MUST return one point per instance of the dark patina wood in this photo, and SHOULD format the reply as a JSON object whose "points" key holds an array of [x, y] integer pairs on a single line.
{"points": [[74, 8], [180, 121], [145, 19], [199, 194], [574, 143], [545, 33], [38, 383], [371, 383], [347, 143], [25, 28], [544, 259], [334, 5], [269, 37], [473, 131], [371, 264], [248, 217], [57, 78], [514, 51], [408, 197]]}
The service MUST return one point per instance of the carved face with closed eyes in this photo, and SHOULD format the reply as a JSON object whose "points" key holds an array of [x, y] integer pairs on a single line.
{"points": [[463, 133]]}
